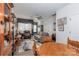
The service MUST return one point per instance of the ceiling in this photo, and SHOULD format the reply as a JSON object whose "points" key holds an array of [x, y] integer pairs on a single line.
{"points": [[37, 9]]}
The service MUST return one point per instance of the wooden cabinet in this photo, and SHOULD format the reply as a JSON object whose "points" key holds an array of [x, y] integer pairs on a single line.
{"points": [[5, 16]]}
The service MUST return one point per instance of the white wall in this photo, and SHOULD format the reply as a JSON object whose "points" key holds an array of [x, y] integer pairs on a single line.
{"points": [[74, 27], [48, 24], [68, 11]]}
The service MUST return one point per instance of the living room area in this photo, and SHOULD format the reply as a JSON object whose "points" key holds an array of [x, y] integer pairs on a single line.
{"points": [[39, 29], [29, 32]]}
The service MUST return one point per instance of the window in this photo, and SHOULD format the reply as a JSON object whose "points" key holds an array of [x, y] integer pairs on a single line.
{"points": [[24, 26]]}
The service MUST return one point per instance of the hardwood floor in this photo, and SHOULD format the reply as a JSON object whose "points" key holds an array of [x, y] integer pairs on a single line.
{"points": [[50, 48]]}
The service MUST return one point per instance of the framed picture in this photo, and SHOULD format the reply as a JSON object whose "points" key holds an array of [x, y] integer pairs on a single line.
{"points": [[65, 20], [60, 24], [61, 28]]}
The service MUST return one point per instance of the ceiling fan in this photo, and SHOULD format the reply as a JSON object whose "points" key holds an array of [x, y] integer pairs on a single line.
{"points": [[39, 17]]}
